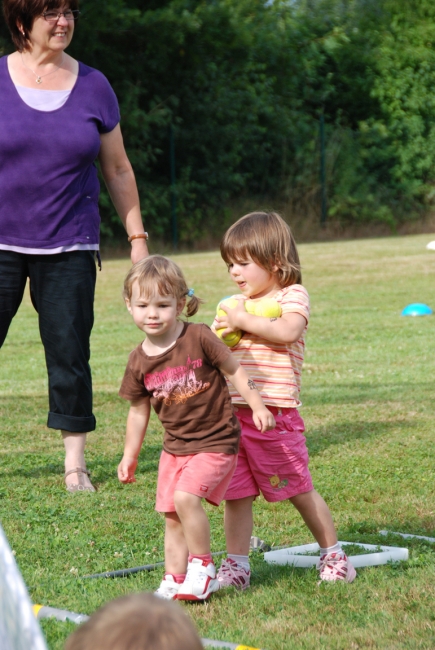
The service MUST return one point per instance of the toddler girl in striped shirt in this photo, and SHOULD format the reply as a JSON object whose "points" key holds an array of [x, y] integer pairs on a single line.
{"points": [[263, 261]]}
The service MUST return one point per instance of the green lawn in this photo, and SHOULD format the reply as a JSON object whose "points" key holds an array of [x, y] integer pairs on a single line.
{"points": [[369, 410]]}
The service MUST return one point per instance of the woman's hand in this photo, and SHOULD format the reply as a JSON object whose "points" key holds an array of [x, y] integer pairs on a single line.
{"points": [[139, 250]]}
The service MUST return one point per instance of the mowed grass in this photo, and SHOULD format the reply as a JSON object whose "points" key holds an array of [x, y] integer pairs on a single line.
{"points": [[368, 404]]}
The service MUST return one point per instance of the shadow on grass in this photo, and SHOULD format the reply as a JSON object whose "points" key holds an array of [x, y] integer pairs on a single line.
{"points": [[22, 409], [36, 465], [320, 438]]}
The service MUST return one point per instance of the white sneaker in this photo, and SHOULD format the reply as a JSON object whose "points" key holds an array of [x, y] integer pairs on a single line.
{"points": [[200, 581], [168, 589]]}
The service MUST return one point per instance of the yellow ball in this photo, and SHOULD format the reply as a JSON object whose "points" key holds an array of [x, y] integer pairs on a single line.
{"points": [[267, 307], [228, 302], [231, 339]]}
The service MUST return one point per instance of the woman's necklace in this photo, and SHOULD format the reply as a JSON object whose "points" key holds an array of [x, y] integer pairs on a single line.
{"points": [[39, 77]]}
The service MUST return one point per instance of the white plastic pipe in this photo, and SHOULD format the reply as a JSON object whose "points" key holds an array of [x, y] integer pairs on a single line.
{"points": [[407, 535], [42, 611], [296, 555]]}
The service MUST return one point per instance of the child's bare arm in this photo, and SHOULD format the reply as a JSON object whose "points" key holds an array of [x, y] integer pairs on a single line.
{"points": [[238, 376], [288, 328], [137, 422]]}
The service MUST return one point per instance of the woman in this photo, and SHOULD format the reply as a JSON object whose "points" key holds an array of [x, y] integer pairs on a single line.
{"points": [[57, 116]]}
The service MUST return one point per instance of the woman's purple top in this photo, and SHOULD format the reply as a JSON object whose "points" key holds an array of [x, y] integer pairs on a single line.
{"points": [[48, 179]]}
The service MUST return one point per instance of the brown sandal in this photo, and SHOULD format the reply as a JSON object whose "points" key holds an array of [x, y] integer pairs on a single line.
{"points": [[80, 486]]}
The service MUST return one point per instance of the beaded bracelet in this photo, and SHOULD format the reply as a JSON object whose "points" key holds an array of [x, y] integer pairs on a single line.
{"points": [[141, 235]]}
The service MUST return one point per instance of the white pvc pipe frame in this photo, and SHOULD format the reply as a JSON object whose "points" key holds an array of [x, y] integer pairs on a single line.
{"points": [[296, 555], [408, 535]]}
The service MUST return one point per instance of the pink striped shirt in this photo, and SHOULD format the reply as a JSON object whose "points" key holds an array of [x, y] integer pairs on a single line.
{"points": [[275, 367]]}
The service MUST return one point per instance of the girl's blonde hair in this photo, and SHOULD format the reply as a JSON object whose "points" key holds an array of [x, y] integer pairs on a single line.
{"points": [[268, 241], [136, 622], [157, 274]]}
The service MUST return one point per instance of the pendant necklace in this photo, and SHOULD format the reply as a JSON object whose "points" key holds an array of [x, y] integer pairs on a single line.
{"points": [[39, 77]]}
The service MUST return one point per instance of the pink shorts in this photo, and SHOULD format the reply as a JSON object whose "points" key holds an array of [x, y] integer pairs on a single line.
{"points": [[274, 463], [206, 475]]}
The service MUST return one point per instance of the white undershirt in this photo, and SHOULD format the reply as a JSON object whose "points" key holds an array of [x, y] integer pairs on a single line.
{"points": [[43, 100]]}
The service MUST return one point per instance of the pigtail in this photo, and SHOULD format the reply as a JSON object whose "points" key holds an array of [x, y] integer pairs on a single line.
{"points": [[192, 305]]}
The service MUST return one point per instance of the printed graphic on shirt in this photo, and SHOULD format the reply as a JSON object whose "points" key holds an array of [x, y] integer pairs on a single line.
{"points": [[176, 384]]}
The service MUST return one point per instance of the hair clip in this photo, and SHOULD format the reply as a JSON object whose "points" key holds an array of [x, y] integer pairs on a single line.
{"points": [[190, 293]]}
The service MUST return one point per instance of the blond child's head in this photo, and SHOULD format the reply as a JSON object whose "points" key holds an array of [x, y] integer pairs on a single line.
{"points": [[267, 240], [136, 622], [159, 275]]}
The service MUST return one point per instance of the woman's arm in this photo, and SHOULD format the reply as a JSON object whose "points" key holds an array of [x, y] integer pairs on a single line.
{"points": [[120, 181], [288, 328], [137, 422]]}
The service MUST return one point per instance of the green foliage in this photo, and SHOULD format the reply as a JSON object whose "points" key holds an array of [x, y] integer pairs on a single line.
{"points": [[403, 87], [243, 84]]}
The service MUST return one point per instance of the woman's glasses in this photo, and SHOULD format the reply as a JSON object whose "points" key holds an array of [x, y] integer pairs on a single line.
{"points": [[53, 16]]}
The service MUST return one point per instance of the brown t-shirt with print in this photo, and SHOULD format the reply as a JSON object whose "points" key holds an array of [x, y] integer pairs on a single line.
{"points": [[187, 391]]}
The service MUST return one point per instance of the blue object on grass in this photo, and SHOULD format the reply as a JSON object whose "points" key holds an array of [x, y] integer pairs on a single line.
{"points": [[417, 309]]}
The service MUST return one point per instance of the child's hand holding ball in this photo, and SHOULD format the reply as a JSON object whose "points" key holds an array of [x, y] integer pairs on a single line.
{"points": [[234, 337], [266, 307]]}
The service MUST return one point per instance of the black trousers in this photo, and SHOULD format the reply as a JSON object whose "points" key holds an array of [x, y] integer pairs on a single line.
{"points": [[62, 288]]}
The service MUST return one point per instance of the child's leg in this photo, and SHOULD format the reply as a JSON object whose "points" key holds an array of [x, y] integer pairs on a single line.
{"points": [[239, 524], [334, 565], [175, 545], [201, 580], [238, 520], [183, 482], [175, 558], [195, 523], [317, 516], [276, 463]]}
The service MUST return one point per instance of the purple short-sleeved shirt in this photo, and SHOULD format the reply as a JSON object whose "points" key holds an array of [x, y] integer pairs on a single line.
{"points": [[48, 179]]}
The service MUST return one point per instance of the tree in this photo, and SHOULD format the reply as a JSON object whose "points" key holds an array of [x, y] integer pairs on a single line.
{"points": [[242, 84]]}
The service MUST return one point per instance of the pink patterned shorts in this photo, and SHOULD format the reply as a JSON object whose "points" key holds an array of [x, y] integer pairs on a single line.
{"points": [[274, 463]]}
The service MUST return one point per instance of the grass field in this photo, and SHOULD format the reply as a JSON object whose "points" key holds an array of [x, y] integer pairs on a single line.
{"points": [[368, 405]]}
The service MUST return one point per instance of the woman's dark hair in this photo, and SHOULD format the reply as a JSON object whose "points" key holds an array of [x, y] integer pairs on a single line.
{"points": [[20, 14]]}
